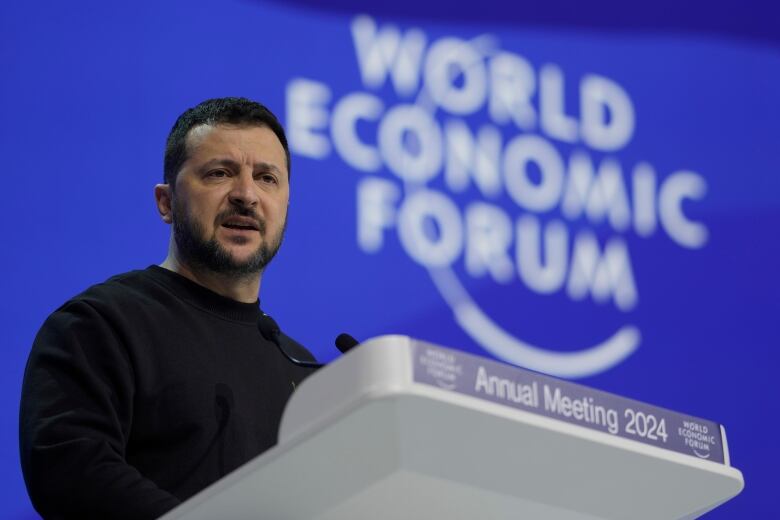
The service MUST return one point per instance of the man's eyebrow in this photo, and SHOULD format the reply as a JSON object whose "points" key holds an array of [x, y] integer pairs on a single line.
{"points": [[267, 167], [260, 166], [220, 161]]}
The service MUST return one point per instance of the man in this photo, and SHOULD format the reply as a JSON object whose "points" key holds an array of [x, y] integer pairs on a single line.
{"points": [[147, 388]]}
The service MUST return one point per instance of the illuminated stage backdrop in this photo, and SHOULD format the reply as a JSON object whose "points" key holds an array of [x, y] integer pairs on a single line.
{"points": [[597, 206]]}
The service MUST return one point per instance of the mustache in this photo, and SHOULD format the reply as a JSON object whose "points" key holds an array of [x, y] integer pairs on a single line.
{"points": [[242, 212]]}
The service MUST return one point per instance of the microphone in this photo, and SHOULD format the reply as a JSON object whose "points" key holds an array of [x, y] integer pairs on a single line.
{"points": [[345, 342], [270, 331]]}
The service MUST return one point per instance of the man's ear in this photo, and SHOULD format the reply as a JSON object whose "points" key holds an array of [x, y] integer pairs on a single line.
{"points": [[163, 198]]}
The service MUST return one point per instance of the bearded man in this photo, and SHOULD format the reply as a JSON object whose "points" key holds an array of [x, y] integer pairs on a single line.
{"points": [[145, 389]]}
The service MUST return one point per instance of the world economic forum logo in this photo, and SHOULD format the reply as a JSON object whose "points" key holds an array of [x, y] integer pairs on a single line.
{"points": [[488, 126]]}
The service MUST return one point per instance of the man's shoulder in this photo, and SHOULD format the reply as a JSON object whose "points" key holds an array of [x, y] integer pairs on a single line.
{"points": [[123, 303], [137, 287]]}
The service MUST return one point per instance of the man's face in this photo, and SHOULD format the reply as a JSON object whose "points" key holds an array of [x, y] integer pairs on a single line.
{"points": [[229, 205]]}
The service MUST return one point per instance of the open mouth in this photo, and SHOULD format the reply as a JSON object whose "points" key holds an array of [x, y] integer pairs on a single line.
{"points": [[241, 224], [236, 226]]}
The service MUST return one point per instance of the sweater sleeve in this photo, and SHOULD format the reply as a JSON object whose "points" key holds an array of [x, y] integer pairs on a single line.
{"points": [[75, 418]]}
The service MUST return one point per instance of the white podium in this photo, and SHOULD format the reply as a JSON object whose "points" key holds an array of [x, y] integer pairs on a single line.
{"points": [[401, 429]]}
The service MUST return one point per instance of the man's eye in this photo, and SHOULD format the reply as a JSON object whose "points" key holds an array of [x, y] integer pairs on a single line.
{"points": [[267, 178], [217, 173]]}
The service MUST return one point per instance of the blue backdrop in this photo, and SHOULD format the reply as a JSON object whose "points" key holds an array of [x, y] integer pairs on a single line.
{"points": [[509, 186]]}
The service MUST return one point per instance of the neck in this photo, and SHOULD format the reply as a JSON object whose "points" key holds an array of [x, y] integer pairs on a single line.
{"points": [[242, 289]]}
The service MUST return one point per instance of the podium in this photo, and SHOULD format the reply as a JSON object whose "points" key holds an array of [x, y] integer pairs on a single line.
{"points": [[403, 429]]}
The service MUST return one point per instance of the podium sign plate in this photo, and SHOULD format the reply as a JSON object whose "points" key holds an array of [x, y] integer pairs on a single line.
{"points": [[576, 404]]}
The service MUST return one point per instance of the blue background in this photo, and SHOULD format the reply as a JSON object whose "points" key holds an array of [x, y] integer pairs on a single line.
{"points": [[89, 91]]}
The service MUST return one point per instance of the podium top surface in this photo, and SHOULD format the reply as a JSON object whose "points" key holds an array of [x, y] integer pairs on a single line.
{"points": [[399, 428]]}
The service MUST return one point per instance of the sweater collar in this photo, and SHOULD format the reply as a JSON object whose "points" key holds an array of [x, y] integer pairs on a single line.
{"points": [[205, 298]]}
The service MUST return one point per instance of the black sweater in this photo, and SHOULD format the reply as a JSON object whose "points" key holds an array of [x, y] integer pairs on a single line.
{"points": [[142, 391]]}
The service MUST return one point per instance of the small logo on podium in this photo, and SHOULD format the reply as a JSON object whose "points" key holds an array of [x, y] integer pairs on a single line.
{"points": [[440, 366]]}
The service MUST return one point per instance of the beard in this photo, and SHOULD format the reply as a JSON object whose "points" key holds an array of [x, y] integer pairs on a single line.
{"points": [[199, 252]]}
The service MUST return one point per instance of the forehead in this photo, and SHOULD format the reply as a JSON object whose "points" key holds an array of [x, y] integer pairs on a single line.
{"points": [[245, 144]]}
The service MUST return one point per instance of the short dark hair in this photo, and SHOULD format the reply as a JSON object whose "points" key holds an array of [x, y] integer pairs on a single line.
{"points": [[227, 110]]}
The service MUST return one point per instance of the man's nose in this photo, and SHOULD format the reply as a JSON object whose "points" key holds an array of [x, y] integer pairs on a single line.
{"points": [[243, 192]]}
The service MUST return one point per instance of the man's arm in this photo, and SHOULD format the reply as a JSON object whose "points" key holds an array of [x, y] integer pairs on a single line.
{"points": [[75, 418]]}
